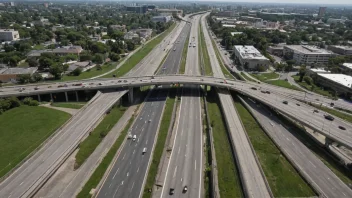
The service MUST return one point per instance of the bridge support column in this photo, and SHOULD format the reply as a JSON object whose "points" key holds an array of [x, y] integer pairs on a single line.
{"points": [[130, 95], [51, 97], [77, 99], [39, 99], [328, 141], [66, 96], [205, 90]]}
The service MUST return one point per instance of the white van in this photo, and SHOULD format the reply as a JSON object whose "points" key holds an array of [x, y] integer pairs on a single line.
{"points": [[134, 138], [144, 150]]}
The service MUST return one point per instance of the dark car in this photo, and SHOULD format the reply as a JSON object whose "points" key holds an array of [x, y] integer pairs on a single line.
{"points": [[268, 92], [285, 102], [342, 128], [332, 104], [185, 189], [254, 88], [316, 111], [329, 117], [298, 104], [172, 191]]}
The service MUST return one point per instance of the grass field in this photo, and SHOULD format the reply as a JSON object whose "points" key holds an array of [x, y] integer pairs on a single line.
{"points": [[101, 169], [283, 179], [206, 60], [140, 54], [340, 171], [265, 76], [22, 130], [92, 73], [283, 83], [317, 89], [336, 113], [184, 57], [87, 147], [71, 105], [247, 78], [159, 147], [229, 181]]}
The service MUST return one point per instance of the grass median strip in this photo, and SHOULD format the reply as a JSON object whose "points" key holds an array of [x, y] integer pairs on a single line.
{"points": [[247, 78], [95, 71], [229, 180], [283, 83], [266, 76], [101, 169], [283, 179], [184, 57], [22, 131], [87, 147], [140, 54], [206, 60], [160, 144], [71, 105]]}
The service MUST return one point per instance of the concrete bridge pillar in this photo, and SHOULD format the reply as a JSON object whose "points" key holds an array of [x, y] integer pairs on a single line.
{"points": [[66, 96], [205, 90], [328, 141], [130, 95], [77, 99], [51, 97], [39, 99]]}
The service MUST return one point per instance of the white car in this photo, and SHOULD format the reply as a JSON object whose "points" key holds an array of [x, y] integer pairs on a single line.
{"points": [[129, 136]]}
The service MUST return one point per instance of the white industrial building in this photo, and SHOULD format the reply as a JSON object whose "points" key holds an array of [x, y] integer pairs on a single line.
{"points": [[9, 35], [250, 57], [308, 55], [340, 83], [339, 49]]}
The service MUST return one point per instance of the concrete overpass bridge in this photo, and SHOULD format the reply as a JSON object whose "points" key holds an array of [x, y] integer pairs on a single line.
{"points": [[274, 98]]}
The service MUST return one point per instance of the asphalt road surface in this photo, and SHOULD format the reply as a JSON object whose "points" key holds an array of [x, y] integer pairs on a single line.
{"points": [[126, 178], [186, 166], [307, 163]]}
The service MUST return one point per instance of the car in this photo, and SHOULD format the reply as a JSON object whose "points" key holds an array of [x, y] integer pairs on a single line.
{"points": [[315, 111], [263, 91], [184, 189], [125, 81], [134, 138], [144, 150], [286, 79], [91, 83], [114, 75], [77, 84], [268, 92], [174, 49], [36, 88], [129, 136], [285, 102], [119, 81], [149, 120], [342, 128], [50, 86], [254, 88], [258, 82], [329, 117], [100, 83], [172, 191], [332, 104], [298, 104], [60, 86], [225, 53]]}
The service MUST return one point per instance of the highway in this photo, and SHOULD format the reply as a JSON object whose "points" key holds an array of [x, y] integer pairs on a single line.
{"points": [[36, 170], [31, 175], [185, 165], [130, 169], [308, 164], [253, 180]]}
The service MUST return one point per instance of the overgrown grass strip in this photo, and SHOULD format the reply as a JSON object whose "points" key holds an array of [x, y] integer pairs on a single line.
{"points": [[206, 60], [283, 179], [160, 144], [184, 57], [87, 147], [71, 105], [101, 169]]}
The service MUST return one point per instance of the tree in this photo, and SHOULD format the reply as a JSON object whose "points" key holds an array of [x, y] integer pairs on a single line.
{"points": [[130, 45], [114, 57], [32, 62], [308, 80], [45, 62], [13, 60], [246, 65], [302, 73], [57, 69], [98, 58], [85, 57], [98, 48], [77, 71], [261, 68], [37, 77], [23, 78], [14, 102]]}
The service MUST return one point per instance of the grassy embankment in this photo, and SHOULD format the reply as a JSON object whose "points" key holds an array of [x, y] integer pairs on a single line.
{"points": [[22, 131], [266, 76], [316, 89], [283, 83], [71, 105], [283, 179], [203, 48], [184, 57]]}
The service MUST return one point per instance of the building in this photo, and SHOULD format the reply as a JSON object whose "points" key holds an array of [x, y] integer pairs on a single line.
{"points": [[312, 71], [342, 50], [9, 35], [169, 12], [137, 9], [276, 50], [322, 11], [130, 35], [226, 13], [250, 58], [84, 66], [144, 33], [346, 68], [308, 55], [340, 83], [162, 19], [335, 21], [12, 74], [121, 28], [65, 50], [267, 24]]}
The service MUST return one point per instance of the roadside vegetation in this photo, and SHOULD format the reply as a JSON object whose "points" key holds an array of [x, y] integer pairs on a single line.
{"points": [[246, 77], [283, 83], [266, 76], [312, 87], [90, 73], [344, 116], [184, 57], [101, 169], [330, 161], [283, 179], [22, 131], [204, 52], [87, 146], [71, 105], [160, 144], [229, 180], [140, 54]]}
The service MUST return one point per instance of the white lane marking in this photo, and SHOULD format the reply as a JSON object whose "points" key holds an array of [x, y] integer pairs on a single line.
{"points": [[132, 186], [115, 173], [195, 164], [110, 185], [175, 172], [137, 169], [128, 173], [146, 142], [122, 183], [143, 129], [116, 191], [134, 151], [124, 156], [179, 148]]}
